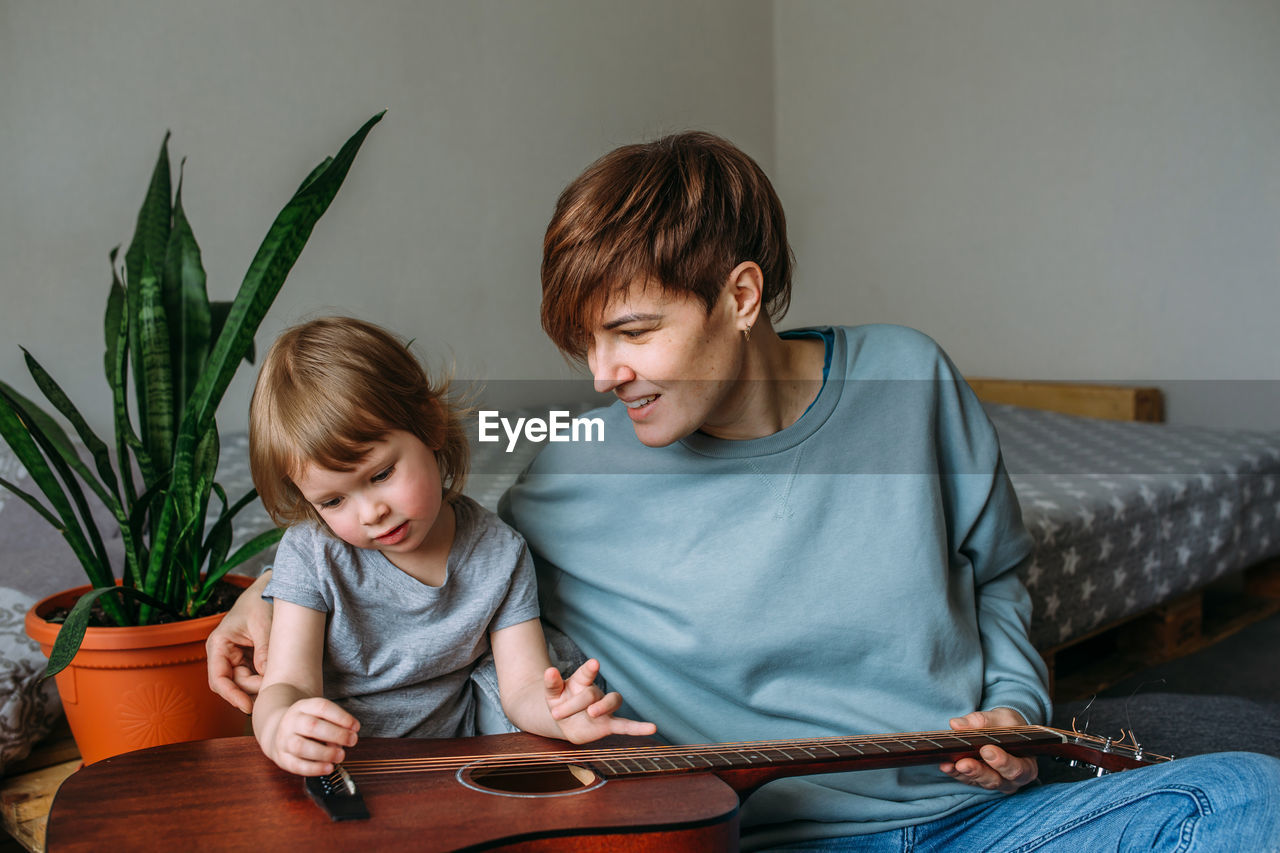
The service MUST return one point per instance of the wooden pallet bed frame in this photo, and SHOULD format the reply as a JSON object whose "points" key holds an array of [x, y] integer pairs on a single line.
{"points": [[1173, 629]]}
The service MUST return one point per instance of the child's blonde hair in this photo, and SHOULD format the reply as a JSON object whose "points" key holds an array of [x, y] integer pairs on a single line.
{"points": [[328, 389]]}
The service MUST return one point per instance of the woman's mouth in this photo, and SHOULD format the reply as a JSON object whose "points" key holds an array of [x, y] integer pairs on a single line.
{"points": [[394, 535], [639, 402]]}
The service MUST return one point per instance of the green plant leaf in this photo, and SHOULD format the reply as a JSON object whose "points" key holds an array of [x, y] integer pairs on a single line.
{"points": [[217, 541], [222, 527], [150, 237], [71, 634], [275, 257], [218, 312], [51, 458], [254, 546], [151, 232], [266, 274], [115, 362], [153, 340], [32, 414], [34, 503], [112, 321], [315, 173], [26, 440], [109, 487], [186, 302], [49, 435]]}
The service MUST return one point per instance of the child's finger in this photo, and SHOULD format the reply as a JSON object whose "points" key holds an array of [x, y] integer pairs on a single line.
{"points": [[570, 704], [585, 675], [306, 760], [554, 683], [324, 709], [605, 705], [623, 726]]}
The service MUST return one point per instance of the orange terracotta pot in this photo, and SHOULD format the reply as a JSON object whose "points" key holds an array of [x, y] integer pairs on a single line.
{"points": [[131, 688]]}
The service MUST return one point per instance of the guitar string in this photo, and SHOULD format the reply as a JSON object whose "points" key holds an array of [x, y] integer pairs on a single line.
{"points": [[498, 761], [536, 762], [622, 753], [647, 751]]}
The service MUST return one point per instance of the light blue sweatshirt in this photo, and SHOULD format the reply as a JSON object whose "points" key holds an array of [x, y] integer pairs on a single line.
{"points": [[851, 574]]}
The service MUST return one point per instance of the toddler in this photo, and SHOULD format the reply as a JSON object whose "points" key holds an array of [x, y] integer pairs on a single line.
{"points": [[389, 584]]}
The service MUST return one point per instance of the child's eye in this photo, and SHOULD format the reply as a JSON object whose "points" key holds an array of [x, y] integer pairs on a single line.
{"points": [[381, 476], [329, 504]]}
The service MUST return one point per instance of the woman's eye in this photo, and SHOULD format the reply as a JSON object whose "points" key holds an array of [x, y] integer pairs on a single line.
{"points": [[634, 333], [383, 475]]}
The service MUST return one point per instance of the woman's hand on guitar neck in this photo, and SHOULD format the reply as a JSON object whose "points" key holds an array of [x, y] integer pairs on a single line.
{"points": [[997, 770]]}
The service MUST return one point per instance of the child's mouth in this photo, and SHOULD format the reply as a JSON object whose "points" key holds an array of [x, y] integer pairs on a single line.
{"points": [[393, 536]]}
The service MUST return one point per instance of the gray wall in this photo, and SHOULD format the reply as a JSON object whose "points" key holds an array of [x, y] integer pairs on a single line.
{"points": [[1059, 189], [1072, 189], [492, 108]]}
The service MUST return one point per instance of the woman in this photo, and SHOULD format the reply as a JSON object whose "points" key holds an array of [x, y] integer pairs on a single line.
{"points": [[799, 534]]}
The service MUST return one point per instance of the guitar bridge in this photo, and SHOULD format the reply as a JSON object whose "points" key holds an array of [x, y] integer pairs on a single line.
{"points": [[337, 795]]}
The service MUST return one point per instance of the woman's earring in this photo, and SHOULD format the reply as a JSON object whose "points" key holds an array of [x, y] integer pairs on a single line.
{"points": [[746, 333]]}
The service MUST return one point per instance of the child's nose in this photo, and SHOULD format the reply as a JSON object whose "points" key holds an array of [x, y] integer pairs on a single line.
{"points": [[372, 511]]}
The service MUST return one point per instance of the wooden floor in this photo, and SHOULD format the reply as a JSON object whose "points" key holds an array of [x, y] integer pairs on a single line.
{"points": [[26, 792]]}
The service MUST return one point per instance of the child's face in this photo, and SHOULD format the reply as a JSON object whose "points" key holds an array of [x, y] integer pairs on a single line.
{"points": [[390, 502]]}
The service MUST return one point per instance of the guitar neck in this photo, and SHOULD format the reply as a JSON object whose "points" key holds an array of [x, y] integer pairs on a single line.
{"points": [[746, 766]]}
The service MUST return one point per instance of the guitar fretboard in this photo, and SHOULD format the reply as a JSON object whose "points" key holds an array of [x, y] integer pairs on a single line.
{"points": [[731, 756]]}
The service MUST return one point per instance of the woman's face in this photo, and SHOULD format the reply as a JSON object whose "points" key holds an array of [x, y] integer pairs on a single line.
{"points": [[672, 364]]}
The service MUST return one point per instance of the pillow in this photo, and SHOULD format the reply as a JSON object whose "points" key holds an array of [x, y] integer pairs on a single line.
{"points": [[29, 707]]}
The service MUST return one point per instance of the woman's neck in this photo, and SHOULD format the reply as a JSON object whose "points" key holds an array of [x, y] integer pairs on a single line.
{"points": [[779, 379]]}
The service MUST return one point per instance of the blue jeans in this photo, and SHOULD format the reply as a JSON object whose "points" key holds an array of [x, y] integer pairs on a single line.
{"points": [[1227, 801]]}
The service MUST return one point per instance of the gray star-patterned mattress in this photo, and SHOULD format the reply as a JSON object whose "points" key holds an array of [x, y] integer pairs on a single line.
{"points": [[1129, 515]]}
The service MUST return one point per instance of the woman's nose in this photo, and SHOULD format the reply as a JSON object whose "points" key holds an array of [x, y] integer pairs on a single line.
{"points": [[608, 372]]}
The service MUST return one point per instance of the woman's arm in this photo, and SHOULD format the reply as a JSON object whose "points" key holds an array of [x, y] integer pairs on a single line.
{"points": [[237, 648], [538, 700], [297, 728]]}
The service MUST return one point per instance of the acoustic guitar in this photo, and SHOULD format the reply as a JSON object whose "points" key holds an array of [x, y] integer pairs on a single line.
{"points": [[499, 792]]}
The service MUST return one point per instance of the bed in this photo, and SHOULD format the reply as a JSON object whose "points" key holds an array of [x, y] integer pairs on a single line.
{"points": [[1151, 539]]}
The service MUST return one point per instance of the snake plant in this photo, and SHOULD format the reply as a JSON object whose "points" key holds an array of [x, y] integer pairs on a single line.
{"points": [[180, 350]]}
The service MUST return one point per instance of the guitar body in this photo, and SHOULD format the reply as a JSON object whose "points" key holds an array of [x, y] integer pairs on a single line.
{"points": [[225, 794]]}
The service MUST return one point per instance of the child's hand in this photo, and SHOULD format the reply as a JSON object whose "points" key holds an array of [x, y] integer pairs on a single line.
{"points": [[310, 736], [582, 710]]}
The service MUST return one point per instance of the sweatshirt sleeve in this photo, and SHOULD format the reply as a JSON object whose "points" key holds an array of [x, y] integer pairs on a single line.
{"points": [[987, 533], [1014, 675]]}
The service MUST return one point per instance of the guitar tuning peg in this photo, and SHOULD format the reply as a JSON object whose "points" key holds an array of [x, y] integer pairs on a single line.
{"points": [[1101, 771], [1137, 751]]}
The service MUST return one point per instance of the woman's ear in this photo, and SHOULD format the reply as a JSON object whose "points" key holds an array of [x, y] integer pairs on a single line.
{"points": [[745, 286]]}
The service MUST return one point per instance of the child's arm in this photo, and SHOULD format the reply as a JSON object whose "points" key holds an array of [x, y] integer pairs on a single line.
{"points": [[538, 700], [296, 726]]}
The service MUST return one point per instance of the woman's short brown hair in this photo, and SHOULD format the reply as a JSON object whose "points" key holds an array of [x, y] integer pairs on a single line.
{"points": [[680, 212], [330, 388]]}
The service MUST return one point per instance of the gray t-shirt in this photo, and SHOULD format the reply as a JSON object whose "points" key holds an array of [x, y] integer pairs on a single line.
{"points": [[398, 653]]}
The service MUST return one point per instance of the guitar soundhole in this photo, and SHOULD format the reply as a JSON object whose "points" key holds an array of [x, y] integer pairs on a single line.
{"points": [[529, 780]]}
